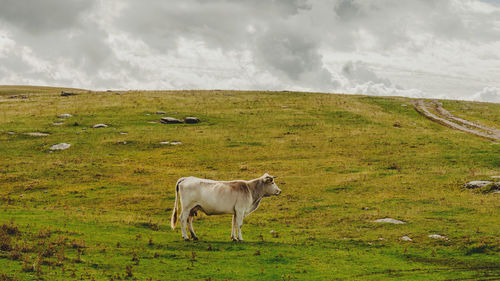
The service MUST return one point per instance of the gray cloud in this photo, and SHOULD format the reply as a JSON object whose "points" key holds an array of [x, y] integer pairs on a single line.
{"points": [[350, 46], [37, 17]]}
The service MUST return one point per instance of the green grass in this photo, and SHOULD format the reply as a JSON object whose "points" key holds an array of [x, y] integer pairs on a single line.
{"points": [[90, 211]]}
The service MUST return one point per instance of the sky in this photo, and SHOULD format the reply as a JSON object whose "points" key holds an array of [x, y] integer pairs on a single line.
{"points": [[415, 48]]}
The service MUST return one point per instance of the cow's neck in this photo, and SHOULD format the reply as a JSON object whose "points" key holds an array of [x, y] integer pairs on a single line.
{"points": [[256, 191]]}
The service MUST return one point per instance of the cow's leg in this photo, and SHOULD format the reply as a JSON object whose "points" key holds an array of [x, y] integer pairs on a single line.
{"points": [[183, 219], [233, 228], [239, 223], [191, 230]]}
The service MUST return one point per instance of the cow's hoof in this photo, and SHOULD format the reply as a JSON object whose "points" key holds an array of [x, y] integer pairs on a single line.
{"points": [[186, 239], [234, 239], [195, 238]]}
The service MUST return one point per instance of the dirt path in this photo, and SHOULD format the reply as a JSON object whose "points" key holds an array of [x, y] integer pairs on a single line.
{"points": [[449, 120]]}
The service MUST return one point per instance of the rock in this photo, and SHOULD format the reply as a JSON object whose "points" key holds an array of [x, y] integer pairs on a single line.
{"points": [[397, 124], [60, 146], [65, 94], [153, 122], [164, 142], [76, 124], [11, 133], [36, 134], [404, 105], [13, 96], [100, 126], [65, 115], [389, 220], [176, 143], [476, 184], [160, 112], [123, 133], [437, 236], [406, 238], [495, 177], [57, 123], [121, 142], [191, 120], [170, 120]]}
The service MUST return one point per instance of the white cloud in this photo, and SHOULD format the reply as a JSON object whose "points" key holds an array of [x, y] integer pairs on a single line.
{"points": [[489, 94], [448, 48]]}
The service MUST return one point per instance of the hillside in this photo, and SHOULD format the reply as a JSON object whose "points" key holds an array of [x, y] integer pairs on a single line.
{"points": [[101, 208]]}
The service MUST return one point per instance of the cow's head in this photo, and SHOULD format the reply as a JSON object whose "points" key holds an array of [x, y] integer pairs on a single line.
{"points": [[269, 186]]}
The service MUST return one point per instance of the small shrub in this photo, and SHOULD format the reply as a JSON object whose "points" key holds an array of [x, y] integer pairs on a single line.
{"points": [[135, 258], [44, 233], [78, 244], [5, 241], [27, 265], [15, 255], [10, 229], [128, 271]]}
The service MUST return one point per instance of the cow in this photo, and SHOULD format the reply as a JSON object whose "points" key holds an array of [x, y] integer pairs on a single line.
{"points": [[238, 197]]}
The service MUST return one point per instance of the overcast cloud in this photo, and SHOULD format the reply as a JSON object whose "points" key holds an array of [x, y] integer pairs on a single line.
{"points": [[426, 48]]}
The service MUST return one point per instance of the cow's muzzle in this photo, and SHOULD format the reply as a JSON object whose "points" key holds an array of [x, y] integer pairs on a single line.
{"points": [[277, 192]]}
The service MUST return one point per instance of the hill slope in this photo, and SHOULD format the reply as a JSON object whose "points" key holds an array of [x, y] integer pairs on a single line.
{"points": [[101, 208]]}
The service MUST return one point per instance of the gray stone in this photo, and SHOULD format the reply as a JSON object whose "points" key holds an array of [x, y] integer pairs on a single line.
{"points": [[405, 238], [437, 236], [164, 142], [100, 126], [477, 184], [170, 120], [176, 143], [11, 133], [37, 134], [65, 115], [123, 133], [13, 96], [191, 120], [65, 94], [389, 220], [161, 112], [60, 146], [57, 123]]}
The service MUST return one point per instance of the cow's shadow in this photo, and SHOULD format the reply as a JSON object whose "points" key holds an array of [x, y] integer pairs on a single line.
{"points": [[217, 245]]}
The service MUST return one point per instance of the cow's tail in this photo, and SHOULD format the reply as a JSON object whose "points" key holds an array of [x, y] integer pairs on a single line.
{"points": [[173, 221]]}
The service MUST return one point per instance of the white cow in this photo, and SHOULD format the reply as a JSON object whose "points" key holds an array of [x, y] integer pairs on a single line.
{"points": [[239, 198]]}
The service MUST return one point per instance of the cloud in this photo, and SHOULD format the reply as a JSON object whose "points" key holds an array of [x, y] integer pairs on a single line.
{"points": [[488, 94], [446, 48]]}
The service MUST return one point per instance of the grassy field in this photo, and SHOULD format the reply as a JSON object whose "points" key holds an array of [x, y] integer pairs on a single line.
{"points": [[101, 209]]}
